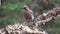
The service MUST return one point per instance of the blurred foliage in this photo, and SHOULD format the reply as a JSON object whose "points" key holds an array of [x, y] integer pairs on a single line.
{"points": [[11, 12], [53, 27]]}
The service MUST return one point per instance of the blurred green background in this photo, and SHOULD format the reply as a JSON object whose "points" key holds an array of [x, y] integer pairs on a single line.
{"points": [[11, 12]]}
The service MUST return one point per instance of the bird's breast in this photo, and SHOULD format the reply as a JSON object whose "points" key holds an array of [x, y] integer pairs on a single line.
{"points": [[27, 16]]}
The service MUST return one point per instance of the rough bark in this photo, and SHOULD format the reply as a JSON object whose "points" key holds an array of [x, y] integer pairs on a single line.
{"points": [[32, 27]]}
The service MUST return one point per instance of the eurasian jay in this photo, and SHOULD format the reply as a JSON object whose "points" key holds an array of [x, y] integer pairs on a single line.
{"points": [[28, 14]]}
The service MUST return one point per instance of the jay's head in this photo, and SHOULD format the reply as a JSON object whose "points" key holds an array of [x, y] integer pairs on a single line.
{"points": [[26, 7]]}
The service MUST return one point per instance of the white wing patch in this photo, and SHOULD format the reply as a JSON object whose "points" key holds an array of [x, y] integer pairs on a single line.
{"points": [[32, 17], [32, 14]]}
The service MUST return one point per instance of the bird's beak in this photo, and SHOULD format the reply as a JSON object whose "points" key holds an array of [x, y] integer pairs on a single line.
{"points": [[22, 8]]}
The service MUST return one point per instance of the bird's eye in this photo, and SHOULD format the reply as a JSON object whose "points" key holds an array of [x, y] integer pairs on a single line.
{"points": [[24, 7]]}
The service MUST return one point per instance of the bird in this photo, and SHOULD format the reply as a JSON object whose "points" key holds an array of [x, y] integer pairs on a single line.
{"points": [[28, 14]]}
